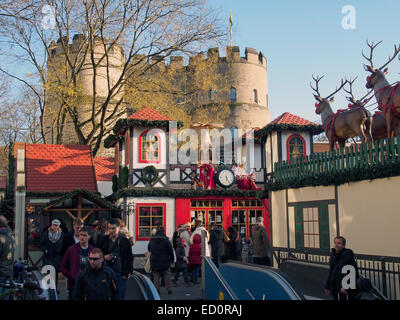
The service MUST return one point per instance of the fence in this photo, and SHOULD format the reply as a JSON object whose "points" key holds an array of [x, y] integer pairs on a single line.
{"points": [[341, 161], [384, 272]]}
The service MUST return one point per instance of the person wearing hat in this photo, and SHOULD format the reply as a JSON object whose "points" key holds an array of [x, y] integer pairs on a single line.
{"points": [[185, 234], [51, 244], [261, 246]]}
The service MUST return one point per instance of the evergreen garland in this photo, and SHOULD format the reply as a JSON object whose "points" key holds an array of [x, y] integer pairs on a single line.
{"points": [[111, 140], [149, 174], [186, 193], [124, 183], [313, 129], [122, 124], [115, 185], [337, 178]]}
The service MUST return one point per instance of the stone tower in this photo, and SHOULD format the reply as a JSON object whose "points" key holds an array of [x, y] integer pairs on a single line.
{"points": [[80, 58], [247, 87]]}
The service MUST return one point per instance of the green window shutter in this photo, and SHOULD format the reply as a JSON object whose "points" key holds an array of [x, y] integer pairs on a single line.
{"points": [[299, 227], [323, 216]]}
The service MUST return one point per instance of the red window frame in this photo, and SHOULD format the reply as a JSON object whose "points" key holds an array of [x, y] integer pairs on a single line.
{"points": [[140, 148], [287, 145], [127, 148], [140, 205]]}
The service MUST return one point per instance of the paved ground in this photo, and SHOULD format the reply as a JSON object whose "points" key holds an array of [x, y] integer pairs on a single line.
{"points": [[181, 292]]}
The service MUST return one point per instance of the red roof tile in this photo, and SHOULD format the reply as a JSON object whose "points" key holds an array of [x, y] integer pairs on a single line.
{"points": [[148, 114], [105, 168], [59, 168], [288, 118]]}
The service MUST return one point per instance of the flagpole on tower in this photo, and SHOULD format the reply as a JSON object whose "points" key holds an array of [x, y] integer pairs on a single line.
{"points": [[230, 26]]}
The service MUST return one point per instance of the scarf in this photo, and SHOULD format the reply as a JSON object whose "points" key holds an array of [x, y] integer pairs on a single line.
{"points": [[54, 236]]}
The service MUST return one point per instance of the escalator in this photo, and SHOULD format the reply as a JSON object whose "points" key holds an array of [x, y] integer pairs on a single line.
{"points": [[139, 287]]}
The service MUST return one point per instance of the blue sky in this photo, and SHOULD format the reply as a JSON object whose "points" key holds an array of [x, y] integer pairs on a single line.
{"points": [[301, 38]]}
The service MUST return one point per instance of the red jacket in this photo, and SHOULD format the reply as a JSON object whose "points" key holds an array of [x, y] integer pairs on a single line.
{"points": [[195, 252], [71, 263]]}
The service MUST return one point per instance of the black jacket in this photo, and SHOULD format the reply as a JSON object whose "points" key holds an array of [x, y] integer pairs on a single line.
{"points": [[162, 253], [125, 250], [180, 255], [52, 251], [98, 284], [69, 241], [235, 246], [336, 262], [217, 242]]}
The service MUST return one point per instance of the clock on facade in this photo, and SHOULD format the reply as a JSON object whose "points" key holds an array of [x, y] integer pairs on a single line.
{"points": [[225, 177]]}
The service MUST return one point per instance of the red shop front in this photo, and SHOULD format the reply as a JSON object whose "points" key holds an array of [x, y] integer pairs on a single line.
{"points": [[241, 213]]}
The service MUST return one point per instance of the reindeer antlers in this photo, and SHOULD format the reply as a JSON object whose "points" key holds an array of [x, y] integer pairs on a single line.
{"points": [[352, 99], [316, 83], [396, 51], [316, 89], [342, 84], [372, 46]]}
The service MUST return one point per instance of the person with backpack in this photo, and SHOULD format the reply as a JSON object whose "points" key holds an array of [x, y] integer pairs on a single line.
{"points": [[217, 243], [181, 264], [235, 244], [162, 255], [118, 254]]}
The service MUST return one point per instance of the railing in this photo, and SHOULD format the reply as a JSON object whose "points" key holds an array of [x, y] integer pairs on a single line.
{"points": [[384, 272], [340, 161]]}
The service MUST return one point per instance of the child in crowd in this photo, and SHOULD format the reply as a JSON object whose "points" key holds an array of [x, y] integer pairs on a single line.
{"points": [[195, 258], [181, 264]]}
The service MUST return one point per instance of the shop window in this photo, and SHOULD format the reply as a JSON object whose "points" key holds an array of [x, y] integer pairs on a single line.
{"points": [[312, 227], [149, 148], [239, 221], [148, 218], [215, 216], [296, 147], [207, 211]]}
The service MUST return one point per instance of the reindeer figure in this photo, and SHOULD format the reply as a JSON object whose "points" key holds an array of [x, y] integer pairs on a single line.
{"points": [[387, 96], [359, 106], [343, 124]]}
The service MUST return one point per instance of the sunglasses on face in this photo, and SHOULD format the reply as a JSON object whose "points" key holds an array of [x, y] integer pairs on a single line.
{"points": [[93, 259]]}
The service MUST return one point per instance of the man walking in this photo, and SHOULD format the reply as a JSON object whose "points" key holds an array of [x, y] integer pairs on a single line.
{"points": [[76, 259], [162, 254], [261, 247], [117, 254], [7, 247], [217, 243], [340, 257], [97, 281], [72, 238], [51, 244]]}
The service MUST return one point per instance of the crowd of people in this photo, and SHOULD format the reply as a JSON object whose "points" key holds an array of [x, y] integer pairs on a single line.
{"points": [[96, 256], [184, 250]]}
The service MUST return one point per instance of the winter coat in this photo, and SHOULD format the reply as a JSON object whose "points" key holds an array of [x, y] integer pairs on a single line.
{"points": [[198, 231], [180, 257], [235, 246], [94, 284], [195, 252], [260, 240], [337, 261], [71, 263], [52, 251], [217, 242], [125, 251], [162, 253], [7, 247], [186, 235]]}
